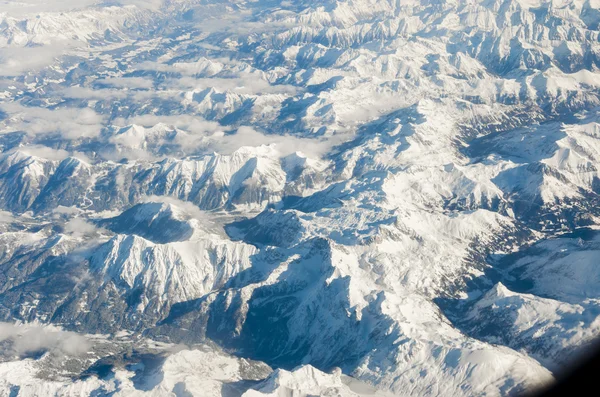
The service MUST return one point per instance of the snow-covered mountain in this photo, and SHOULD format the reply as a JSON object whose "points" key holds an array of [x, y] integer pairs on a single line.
{"points": [[337, 198]]}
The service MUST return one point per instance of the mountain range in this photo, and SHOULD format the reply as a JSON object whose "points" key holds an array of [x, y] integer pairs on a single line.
{"points": [[276, 198]]}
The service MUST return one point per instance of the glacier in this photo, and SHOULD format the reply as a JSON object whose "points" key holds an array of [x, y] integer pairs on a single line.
{"points": [[275, 198]]}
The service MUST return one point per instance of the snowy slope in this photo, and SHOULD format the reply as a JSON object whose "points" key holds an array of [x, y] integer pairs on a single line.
{"points": [[407, 191], [150, 369]]}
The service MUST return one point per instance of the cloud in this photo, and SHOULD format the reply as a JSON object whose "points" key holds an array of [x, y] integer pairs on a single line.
{"points": [[62, 210], [187, 207], [77, 92], [14, 61], [218, 19], [192, 124], [196, 135], [127, 82], [245, 84], [206, 221], [21, 340], [52, 154], [219, 73], [284, 144], [147, 4], [78, 228], [6, 217], [22, 8], [44, 152], [69, 123], [107, 95], [192, 136]]}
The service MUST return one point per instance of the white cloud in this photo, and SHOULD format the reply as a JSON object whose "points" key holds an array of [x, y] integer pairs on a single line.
{"points": [[129, 154], [69, 123], [22, 8], [31, 338], [191, 124], [148, 4], [240, 78], [193, 136], [247, 84], [77, 92], [78, 227], [62, 210], [127, 82], [284, 144], [14, 61], [205, 220], [112, 93], [6, 217], [196, 135], [187, 207], [44, 152], [239, 23]]}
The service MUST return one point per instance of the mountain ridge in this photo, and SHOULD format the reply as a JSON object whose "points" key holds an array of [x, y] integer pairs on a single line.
{"points": [[392, 188]]}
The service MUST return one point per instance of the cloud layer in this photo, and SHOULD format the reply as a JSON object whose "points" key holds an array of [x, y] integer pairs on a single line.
{"points": [[25, 339]]}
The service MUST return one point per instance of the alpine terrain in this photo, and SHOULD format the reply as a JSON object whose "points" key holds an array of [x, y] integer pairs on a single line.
{"points": [[258, 198]]}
